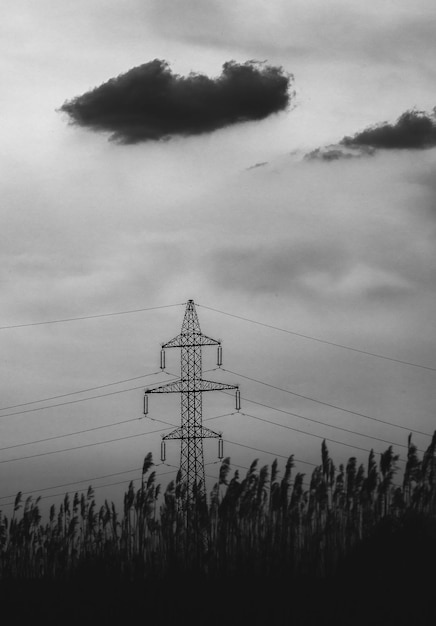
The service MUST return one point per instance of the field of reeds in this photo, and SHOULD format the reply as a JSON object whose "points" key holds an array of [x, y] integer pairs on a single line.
{"points": [[352, 530]]}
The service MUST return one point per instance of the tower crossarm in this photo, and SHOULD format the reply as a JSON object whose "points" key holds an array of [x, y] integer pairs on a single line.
{"points": [[200, 433], [173, 387], [191, 340], [183, 386], [211, 385]]}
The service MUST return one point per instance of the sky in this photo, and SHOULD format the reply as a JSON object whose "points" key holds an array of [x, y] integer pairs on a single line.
{"points": [[272, 218]]}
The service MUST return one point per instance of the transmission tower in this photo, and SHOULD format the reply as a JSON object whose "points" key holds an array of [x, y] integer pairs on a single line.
{"points": [[191, 387]]}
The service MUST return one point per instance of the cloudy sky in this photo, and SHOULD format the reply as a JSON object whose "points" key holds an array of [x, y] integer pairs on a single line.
{"points": [[211, 196]]}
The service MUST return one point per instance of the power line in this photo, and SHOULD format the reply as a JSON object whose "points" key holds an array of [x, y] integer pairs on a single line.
{"points": [[240, 317], [122, 482], [282, 456], [79, 432], [76, 432], [72, 393], [75, 482], [134, 436], [169, 424], [87, 430], [312, 420], [261, 419], [333, 406], [88, 317], [53, 406], [215, 417], [324, 341], [267, 406], [88, 445], [342, 443], [316, 422]]}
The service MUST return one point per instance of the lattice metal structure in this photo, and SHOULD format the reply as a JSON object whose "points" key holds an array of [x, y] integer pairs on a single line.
{"points": [[191, 387]]}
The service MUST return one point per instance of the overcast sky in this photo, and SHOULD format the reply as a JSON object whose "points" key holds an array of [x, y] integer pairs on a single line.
{"points": [[338, 249]]}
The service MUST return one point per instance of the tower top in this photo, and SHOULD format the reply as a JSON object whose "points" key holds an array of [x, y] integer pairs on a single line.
{"points": [[190, 334]]}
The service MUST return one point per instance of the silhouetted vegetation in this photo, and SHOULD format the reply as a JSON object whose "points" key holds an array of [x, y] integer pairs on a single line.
{"points": [[262, 532]]}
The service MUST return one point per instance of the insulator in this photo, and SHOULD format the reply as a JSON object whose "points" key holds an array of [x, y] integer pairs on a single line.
{"points": [[219, 356], [238, 399], [220, 449], [146, 404], [162, 452], [162, 359]]}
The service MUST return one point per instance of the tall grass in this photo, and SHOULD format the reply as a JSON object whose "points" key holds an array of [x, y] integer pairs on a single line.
{"points": [[262, 522]]}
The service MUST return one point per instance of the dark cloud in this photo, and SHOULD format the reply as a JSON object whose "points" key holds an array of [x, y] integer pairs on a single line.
{"points": [[149, 102], [413, 129]]}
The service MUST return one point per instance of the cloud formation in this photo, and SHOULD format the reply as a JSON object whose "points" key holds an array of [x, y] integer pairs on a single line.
{"points": [[334, 152], [149, 102], [413, 130]]}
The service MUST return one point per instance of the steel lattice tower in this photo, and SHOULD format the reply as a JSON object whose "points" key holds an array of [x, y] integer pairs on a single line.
{"points": [[191, 387]]}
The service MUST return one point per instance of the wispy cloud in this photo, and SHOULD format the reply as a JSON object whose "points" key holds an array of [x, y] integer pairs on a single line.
{"points": [[335, 152], [149, 102]]}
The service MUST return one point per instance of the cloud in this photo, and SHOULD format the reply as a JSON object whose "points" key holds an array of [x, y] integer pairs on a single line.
{"points": [[270, 268], [260, 164], [149, 102], [413, 130], [335, 152], [341, 235], [311, 270]]}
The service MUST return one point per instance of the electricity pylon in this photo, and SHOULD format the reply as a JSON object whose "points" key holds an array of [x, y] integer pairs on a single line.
{"points": [[191, 386]]}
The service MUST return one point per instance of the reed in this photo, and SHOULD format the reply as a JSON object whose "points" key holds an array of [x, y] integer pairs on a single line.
{"points": [[259, 523]]}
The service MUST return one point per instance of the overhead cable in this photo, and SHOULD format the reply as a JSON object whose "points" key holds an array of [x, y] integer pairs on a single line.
{"points": [[89, 317], [324, 341], [333, 406]]}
